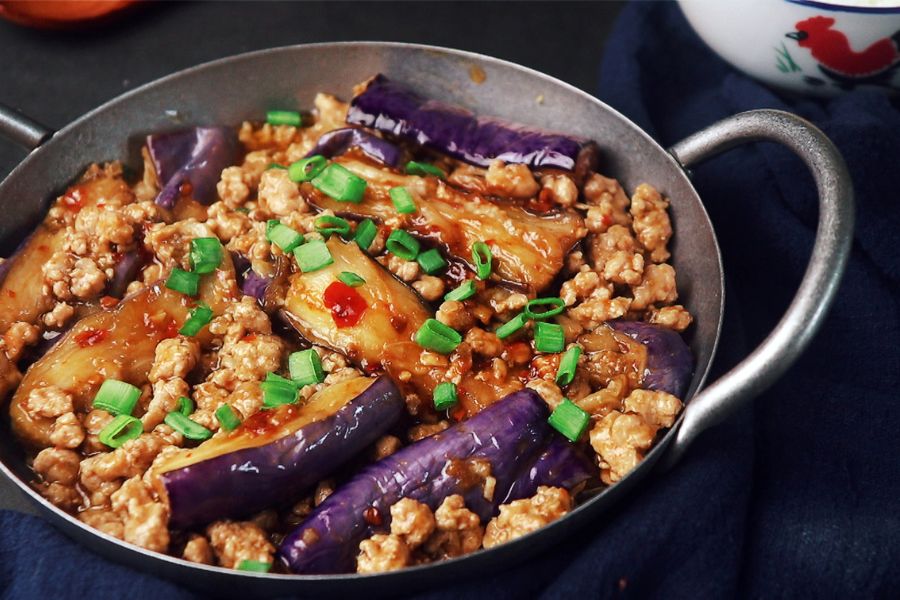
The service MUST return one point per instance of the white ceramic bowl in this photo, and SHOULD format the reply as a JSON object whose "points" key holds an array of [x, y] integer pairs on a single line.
{"points": [[814, 47]]}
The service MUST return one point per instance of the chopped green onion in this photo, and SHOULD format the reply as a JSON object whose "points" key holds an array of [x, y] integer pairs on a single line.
{"points": [[482, 257], [365, 233], [307, 168], [183, 281], [431, 261], [283, 236], [434, 335], [402, 244], [198, 318], [445, 395], [242, 209], [312, 256], [567, 365], [549, 337], [569, 419], [257, 566], [351, 279], [185, 406], [465, 291], [306, 367], [403, 200], [511, 326], [120, 430], [206, 254], [227, 418], [327, 224], [339, 183], [423, 169], [187, 427], [284, 117], [278, 390], [558, 305], [275, 166], [117, 397]]}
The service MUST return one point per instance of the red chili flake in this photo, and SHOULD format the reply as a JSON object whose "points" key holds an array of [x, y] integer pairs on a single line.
{"points": [[347, 306], [249, 337], [372, 516], [11, 293], [398, 322], [185, 189], [163, 325], [91, 337], [458, 412], [607, 220], [72, 199], [108, 302], [43, 247]]}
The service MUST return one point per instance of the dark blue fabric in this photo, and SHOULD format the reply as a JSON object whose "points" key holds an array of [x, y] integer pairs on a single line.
{"points": [[796, 497]]}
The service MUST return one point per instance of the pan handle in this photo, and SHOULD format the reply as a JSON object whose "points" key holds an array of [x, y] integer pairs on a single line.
{"points": [[20, 129], [827, 262]]}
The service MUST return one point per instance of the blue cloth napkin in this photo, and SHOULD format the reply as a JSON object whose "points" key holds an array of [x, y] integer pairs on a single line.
{"points": [[795, 496]]}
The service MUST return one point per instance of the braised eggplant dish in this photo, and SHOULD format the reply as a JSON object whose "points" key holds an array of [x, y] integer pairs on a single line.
{"points": [[356, 338]]}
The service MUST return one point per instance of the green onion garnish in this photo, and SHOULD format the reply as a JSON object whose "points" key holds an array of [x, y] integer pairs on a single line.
{"points": [[558, 305], [465, 291], [306, 367], [120, 430], [511, 326], [206, 254], [283, 236], [482, 257], [434, 335], [274, 165], [227, 418], [403, 200], [284, 117], [569, 419], [326, 225], [278, 390], [257, 566], [431, 261], [351, 279], [445, 395], [185, 406], [339, 183], [402, 244], [306, 169], [549, 337], [198, 318], [423, 169], [184, 281], [117, 397], [567, 365], [312, 256], [365, 233], [187, 427]]}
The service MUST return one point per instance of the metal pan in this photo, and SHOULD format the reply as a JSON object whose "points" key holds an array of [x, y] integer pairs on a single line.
{"points": [[231, 90]]}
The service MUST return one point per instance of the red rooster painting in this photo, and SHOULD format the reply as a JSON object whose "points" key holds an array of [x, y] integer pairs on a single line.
{"points": [[837, 60]]}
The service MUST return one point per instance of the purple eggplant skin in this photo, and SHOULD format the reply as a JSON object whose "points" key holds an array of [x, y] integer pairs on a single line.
{"points": [[125, 271], [392, 107], [338, 141], [251, 283], [506, 434], [670, 363], [560, 464], [196, 155], [236, 483]]}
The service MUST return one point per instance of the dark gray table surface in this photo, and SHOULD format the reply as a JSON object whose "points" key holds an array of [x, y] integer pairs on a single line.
{"points": [[55, 76]]}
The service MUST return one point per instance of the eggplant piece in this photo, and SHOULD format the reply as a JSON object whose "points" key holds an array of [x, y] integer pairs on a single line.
{"points": [[529, 249], [670, 363], [197, 156], [276, 455], [392, 315], [21, 291], [393, 108], [125, 271], [118, 343], [338, 141], [560, 464], [505, 434]]}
